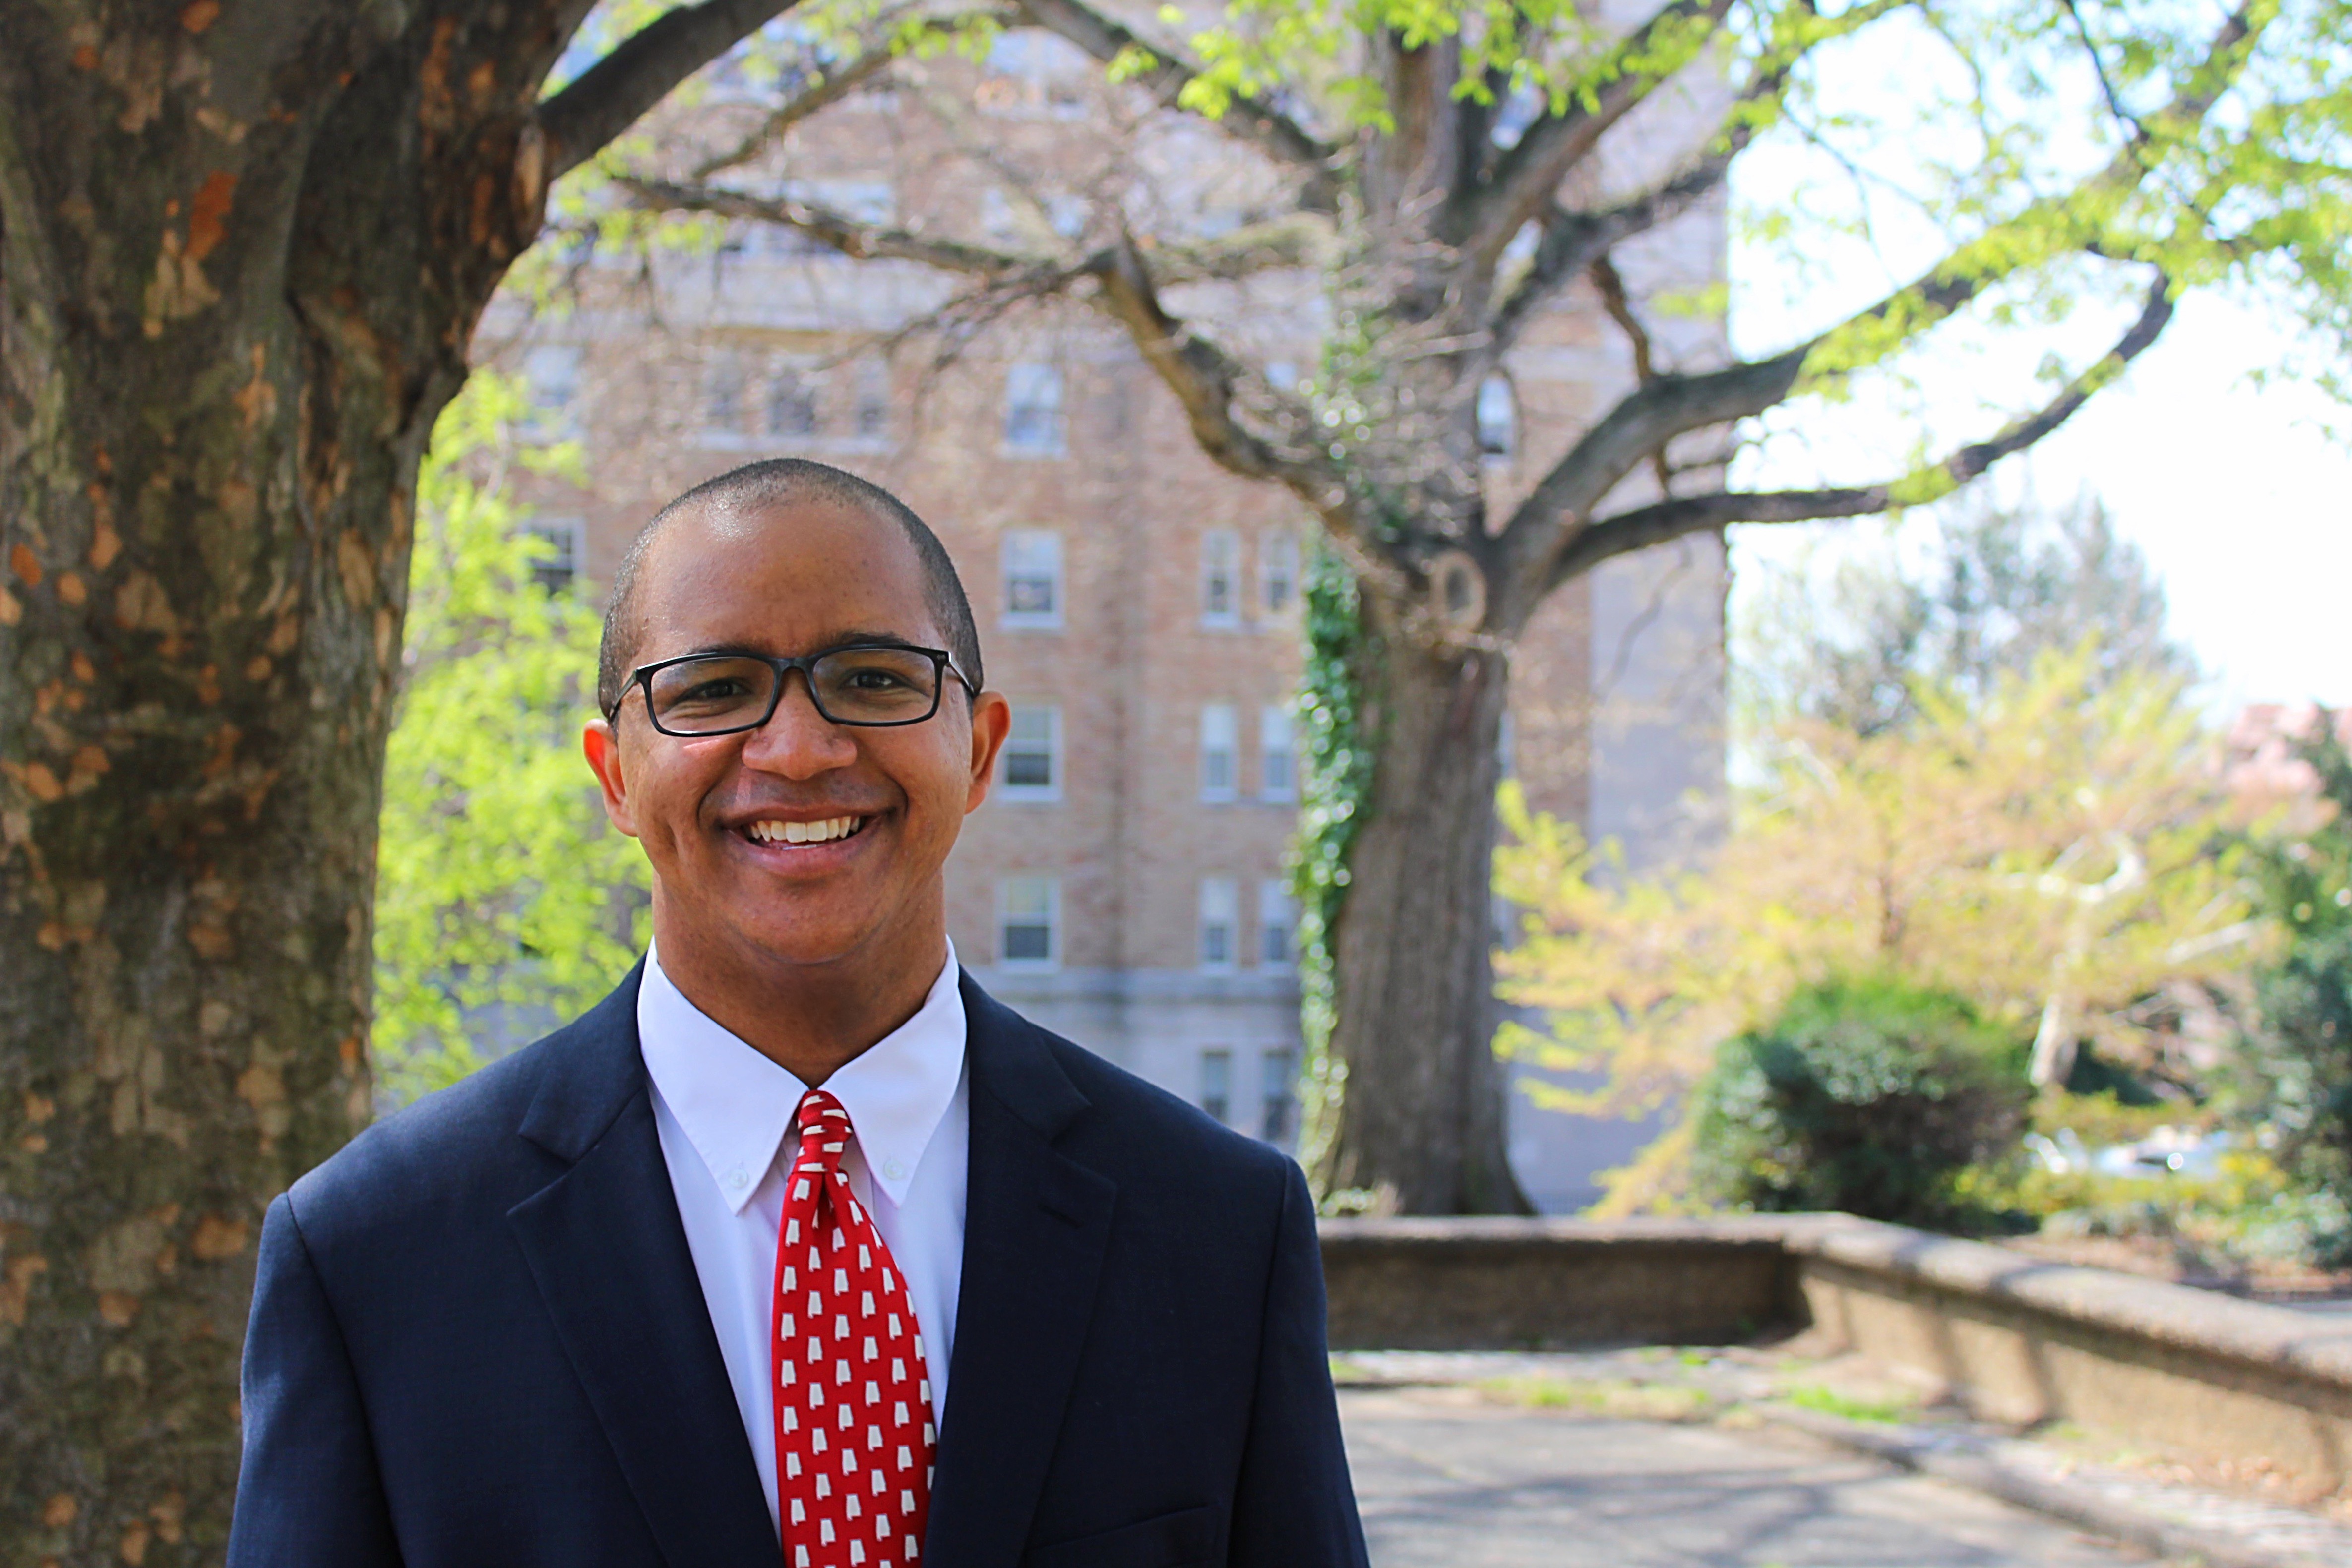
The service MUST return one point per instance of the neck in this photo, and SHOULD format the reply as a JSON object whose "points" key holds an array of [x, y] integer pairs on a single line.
{"points": [[811, 1019]]}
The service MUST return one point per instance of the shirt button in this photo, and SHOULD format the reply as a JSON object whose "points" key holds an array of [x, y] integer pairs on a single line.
{"points": [[894, 1170], [739, 1178]]}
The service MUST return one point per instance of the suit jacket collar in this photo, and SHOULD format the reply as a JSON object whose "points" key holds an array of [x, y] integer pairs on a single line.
{"points": [[1036, 1227], [610, 1257]]}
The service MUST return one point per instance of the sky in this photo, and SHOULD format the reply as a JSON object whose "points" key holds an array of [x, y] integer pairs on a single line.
{"points": [[2239, 501], [2241, 504]]}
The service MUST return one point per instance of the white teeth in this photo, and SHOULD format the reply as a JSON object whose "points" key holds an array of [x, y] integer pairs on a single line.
{"points": [[823, 832]]}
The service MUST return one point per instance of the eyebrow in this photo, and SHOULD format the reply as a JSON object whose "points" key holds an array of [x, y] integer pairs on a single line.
{"points": [[844, 640]]}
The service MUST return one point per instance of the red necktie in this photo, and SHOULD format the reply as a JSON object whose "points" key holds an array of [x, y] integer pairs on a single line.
{"points": [[853, 1433]]}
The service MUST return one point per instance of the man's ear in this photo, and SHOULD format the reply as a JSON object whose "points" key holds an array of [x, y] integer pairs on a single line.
{"points": [[992, 721], [601, 746]]}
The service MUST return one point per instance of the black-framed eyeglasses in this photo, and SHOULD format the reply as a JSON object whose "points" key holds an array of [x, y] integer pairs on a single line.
{"points": [[872, 686]]}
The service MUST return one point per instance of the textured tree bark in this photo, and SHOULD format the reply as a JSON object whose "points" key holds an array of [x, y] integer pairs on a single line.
{"points": [[1421, 1122], [241, 253]]}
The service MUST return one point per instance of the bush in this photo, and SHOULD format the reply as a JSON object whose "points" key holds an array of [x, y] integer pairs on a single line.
{"points": [[1866, 1095]]}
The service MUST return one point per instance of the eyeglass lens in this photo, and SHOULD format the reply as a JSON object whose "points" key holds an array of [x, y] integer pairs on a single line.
{"points": [[852, 685]]}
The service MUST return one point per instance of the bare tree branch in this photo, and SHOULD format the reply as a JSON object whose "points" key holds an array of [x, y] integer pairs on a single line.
{"points": [[1524, 181], [1673, 519], [1573, 241], [1281, 245], [614, 92], [876, 52], [1609, 284], [1246, 119], [1649, 418]]}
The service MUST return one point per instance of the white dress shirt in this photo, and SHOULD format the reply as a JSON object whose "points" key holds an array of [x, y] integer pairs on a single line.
{"points": [[724, 1112]]}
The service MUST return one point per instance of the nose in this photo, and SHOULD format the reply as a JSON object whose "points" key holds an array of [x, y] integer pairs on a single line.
{"points": [[797, 741]]}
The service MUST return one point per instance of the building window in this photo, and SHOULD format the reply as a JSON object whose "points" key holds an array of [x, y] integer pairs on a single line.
{"points": [[1217, 1082], [1277, 571], [1032, 753], [873, 414], [1277, 918], [1278, 1094], [1216, 752], [552, 373], [1032, 411], [722, 399], [1032, 560], [1028, 921], [1220, 914], [1499, 417], [1276, 772], [792, 403], [558, 564], [1220, 570]]}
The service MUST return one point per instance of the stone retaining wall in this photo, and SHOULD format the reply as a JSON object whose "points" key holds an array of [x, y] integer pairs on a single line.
{"points": [[2012, 1338]]}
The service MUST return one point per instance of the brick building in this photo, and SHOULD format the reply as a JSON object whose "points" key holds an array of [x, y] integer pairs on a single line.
{"points": [[1139, 608]]}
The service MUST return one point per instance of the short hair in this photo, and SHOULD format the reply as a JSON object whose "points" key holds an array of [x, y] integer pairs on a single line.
{"points": [[783, 482]]}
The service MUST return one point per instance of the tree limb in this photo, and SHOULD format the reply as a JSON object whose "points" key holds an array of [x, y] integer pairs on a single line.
{"points": [[875, 54], [1673, 519], [614, 92], [1525, 180], [1649, 418], [1207, 382], [1246, 119], [1573, 241]]}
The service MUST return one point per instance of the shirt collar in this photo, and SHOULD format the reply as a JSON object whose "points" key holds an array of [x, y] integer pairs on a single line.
{"points": [[736, 1105]]}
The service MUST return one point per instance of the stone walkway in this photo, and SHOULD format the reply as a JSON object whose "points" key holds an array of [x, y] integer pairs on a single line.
{"points": [[1448, 1478]]}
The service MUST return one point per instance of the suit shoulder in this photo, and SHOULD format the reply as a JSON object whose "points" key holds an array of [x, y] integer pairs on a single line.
{"points": [[455, 1141]]}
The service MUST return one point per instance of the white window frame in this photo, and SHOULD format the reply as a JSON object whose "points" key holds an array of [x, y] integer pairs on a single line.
{"points": [[1277, 735], [1277, 564], [1051, 716], [1037, 543], [1217, 1082], [1220, 910], [1216, 543], [1219, 736], [1005, 888], [1278, 1093], [724, 376], [1276, 910], [552, 378], [807, 378], [569, 538], [1051, 438]]}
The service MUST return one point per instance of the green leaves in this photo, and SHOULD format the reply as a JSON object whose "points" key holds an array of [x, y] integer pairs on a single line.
{"points": [[505, 904]]}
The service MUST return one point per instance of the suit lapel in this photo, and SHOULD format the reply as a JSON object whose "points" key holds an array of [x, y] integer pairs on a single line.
{"points": [[1036, 1227], [608, 1253]]}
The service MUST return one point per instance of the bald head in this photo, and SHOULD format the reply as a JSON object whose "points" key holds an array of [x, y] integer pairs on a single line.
{"points": [[776, 484]]}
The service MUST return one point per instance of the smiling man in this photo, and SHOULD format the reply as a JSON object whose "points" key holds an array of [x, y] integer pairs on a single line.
{"points": [[799, 1247]]}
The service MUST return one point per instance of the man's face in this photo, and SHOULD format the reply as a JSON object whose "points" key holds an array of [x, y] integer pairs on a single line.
{"points": [[710, 811]]}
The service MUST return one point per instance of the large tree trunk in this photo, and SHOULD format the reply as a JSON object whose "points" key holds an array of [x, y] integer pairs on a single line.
{"points": [[238, 283], [1420, 1112]]}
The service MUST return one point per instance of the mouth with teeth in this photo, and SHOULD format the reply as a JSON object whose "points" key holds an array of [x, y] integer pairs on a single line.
{"points": [[773, 831]]}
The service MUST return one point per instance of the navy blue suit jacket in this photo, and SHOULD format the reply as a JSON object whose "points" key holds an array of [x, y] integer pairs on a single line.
{"points": [[478, 1337]]}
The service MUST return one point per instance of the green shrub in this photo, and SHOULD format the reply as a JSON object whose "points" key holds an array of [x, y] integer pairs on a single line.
{"points": [[1866, 1095]]}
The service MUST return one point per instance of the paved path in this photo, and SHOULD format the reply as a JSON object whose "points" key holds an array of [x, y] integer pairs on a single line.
{"points": [[1447, 1479]]}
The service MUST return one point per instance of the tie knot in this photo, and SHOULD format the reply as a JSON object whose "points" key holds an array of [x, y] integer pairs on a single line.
{"points": [[824, 1130]]}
